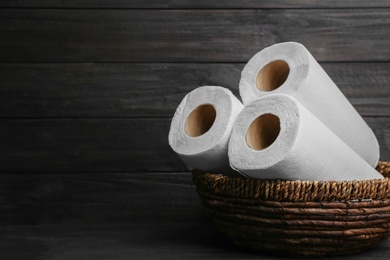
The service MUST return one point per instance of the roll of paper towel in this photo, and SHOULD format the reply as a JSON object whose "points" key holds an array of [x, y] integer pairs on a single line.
{"points": [[276, 137], [201, 128], [289, 68]]}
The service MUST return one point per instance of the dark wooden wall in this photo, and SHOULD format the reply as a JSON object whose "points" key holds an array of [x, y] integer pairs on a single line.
{"points": [[87, 91]]}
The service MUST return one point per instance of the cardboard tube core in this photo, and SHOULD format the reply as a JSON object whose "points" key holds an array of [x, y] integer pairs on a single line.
{"points": [[263, 131], [272, 75], [200, 120]]}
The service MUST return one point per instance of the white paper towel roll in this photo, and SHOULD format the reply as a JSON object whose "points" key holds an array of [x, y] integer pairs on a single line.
{"points": [[201, 128], [276, 137], [289, 68]]}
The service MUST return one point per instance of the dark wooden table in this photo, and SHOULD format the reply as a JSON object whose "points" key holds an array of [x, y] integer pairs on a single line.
{"points": [[87, 92]]}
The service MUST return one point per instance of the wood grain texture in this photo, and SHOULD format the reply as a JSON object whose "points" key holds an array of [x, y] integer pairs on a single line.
{"points": [[105, 90], [51, 35], [82, 199], [197, 239], [105, 145], [139, 90], [162, 4], [86, 145], [113, 216]]}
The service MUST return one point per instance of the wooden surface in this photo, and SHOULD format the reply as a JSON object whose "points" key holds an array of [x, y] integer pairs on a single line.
{"points": [[154, 89], [115, 216], [170, 4], [90, 35], [87, 90]]}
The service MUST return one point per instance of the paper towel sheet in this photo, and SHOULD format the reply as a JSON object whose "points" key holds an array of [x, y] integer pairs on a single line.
{"points": [[201, 128], [276, 137], [289, 68]]}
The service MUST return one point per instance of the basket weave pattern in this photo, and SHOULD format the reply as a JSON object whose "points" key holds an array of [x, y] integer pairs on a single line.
{"points": [[311, 218]]}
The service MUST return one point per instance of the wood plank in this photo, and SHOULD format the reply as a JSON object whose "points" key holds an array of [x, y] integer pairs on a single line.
{"points": [[198, 239], [104, 145], [139, 90], [43, 199], [105, 90], [193, 4], [366, 85], [110, 216], [86, 145], [52, 35], [114, 216]]}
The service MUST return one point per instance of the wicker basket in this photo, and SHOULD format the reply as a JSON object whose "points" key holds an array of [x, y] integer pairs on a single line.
{"points": [[300, 218]]}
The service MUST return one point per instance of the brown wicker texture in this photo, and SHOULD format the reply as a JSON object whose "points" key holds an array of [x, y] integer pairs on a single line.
{"points": [[300, 218]]}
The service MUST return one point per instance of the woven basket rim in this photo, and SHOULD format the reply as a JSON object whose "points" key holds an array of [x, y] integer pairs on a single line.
{"points": [[295, 191]]}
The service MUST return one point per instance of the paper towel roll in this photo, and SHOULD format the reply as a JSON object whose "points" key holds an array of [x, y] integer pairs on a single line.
{"points": [[276, 137], [201, 128], [289, 68]]}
